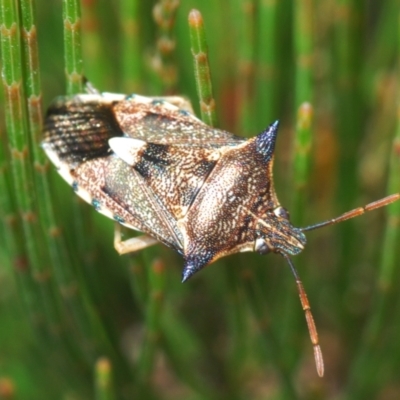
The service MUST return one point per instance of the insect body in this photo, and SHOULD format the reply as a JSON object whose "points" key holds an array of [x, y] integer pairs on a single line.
{"points": [[154, 167]]}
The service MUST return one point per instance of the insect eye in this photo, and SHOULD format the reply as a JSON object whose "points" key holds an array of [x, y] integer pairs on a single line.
{"points": [[281, 212], [261, 246]]}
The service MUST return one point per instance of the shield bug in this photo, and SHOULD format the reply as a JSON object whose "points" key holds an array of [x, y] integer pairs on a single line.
{"points": [[152, 166]]}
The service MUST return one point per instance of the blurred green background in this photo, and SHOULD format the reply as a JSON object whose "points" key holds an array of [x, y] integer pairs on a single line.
{"points": [[77, 321]]}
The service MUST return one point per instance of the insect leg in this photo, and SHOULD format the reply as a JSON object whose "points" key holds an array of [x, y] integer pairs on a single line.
{"points": [[131, 245], [181, 102], [89, 88]]}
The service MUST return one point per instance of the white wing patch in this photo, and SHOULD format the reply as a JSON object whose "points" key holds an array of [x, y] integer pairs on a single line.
{"points": [[127, 149]]}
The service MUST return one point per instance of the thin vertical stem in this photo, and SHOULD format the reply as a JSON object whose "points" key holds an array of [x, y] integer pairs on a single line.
{"points": [[137, 280], [301, 156], [201, 68], [303, 33], [75, 78], [348, 15], [152, 322], [386, 281], [350, 126], [73, 46], [103, 380], [383, 45], [238, 314], [347, 77], [301, 176], [301, 162], [8, 217], [93, 47], [266, 72], [14, 246], [245, 11], [303, 47], [132, 73], [163, 63]]}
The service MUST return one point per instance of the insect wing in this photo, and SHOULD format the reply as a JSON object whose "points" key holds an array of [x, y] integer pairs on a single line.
{"points": [[175, 174], [77, 131], [163, 123]]}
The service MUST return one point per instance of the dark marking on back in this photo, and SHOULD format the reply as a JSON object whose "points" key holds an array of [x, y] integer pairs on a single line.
{"points": [[79, 131], [154, 157]]}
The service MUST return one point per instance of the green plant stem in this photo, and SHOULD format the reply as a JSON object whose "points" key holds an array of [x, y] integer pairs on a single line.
{"points": [[347, 75], [301, 155], [201, 68], [391, 236], [303, 34], [8, 217], [383, 48], [301, 176], [75, 79], [82, 220], [152, 321], [266, 54], [132, 73], [238, 315], [163, 63], [301, 162], [103, 380], [92, 46], [16, 257], [137, 280], [350, 127], [73, 46], [244, 14], [39, 286]]}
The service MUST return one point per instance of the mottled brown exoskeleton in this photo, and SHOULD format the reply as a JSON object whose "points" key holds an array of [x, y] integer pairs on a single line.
{"points": [[152, 166]]}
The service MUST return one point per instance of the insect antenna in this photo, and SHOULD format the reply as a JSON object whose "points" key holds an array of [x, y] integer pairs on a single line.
{"points": [[319, 362], [312, 329], [355, 213]]}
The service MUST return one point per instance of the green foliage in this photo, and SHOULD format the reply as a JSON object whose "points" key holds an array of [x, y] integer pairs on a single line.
{"points": [[78, 321]]}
